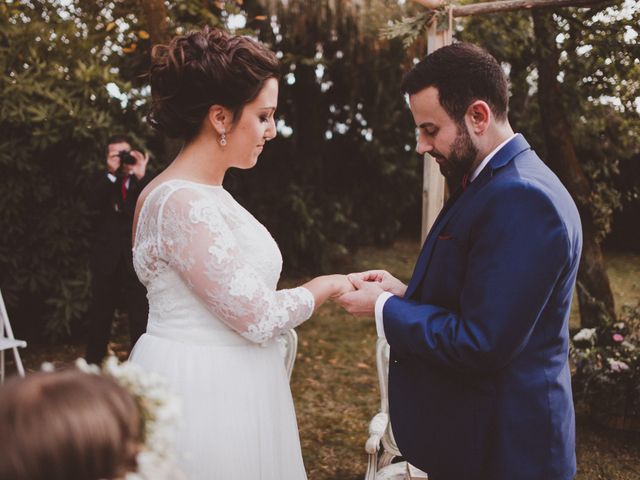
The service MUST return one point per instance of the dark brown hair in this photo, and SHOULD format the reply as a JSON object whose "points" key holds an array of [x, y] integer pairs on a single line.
{"points": [[203, 68], [118, 138], [67, 425], [462, 73]]}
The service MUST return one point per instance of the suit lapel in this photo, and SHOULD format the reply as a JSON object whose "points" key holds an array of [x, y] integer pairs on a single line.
{"points": [[438, 226], [516, 146]]}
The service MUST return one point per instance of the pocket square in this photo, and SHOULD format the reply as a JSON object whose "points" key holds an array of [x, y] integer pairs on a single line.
{"points": [[444, 237]]}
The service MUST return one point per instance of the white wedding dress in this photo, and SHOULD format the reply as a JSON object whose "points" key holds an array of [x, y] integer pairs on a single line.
{"points": [[211, 271]]}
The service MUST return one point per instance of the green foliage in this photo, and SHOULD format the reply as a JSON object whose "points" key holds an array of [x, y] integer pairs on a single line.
{"points": [[407, 28], [55, 115], [601, 85]]}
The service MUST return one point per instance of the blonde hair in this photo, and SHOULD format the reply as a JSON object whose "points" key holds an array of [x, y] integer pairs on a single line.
{"points": [[67, 425]]}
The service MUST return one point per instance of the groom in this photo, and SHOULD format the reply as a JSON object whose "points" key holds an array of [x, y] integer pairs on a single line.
{"points": [[479, 381]]}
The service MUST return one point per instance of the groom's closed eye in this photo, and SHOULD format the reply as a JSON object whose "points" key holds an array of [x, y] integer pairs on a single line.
{"points": [[428, 128]]}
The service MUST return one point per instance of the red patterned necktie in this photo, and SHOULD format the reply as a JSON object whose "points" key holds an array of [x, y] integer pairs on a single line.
{"points": [[465, 181], [123, 188]]}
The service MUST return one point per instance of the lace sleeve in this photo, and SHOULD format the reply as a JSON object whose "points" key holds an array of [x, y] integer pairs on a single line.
{"points": [[195, 239]]}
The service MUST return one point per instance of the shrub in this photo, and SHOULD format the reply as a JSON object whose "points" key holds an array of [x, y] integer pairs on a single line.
{"points": [[606, 362]]}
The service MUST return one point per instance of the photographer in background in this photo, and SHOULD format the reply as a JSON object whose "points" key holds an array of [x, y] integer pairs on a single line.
{"points": [[112, 196]]}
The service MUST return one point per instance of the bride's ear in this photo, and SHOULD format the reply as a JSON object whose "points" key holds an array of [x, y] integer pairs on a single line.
{"points": [[219, 118]]}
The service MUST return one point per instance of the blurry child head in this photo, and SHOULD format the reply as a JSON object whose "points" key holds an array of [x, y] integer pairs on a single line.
{"points": [[67, 425]]}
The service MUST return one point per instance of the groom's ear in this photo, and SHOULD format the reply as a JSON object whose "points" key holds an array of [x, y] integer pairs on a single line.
{"points": [[219, 118], [478, 117]]}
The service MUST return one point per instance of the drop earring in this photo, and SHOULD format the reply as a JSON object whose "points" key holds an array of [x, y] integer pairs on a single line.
{"points": [[223, 139]]}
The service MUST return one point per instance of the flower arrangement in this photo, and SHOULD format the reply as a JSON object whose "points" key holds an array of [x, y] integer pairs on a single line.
{"points": [[160, 412], [606, 370]]}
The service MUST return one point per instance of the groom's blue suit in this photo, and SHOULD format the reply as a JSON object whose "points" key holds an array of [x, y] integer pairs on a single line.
{"points": [[479, 381]]}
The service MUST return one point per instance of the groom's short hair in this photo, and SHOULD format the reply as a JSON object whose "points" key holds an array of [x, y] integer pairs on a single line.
{"points": [[462, 73]]}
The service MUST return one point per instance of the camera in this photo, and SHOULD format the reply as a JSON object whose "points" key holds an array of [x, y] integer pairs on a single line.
{"points": [[126, 158]]}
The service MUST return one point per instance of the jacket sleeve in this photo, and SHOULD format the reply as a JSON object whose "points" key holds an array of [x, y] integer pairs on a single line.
{"points": [[518, 250], [142, 183]]}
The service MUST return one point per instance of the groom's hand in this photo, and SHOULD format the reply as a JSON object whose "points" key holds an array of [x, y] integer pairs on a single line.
{"points": [[387, 282], [363, 300]]}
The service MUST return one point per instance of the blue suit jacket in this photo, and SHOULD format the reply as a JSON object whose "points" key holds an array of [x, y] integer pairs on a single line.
{"points": [[479, 381]]}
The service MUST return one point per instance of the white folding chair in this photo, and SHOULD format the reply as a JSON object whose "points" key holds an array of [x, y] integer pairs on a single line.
{"points": [[288, 343], [8, 341]]}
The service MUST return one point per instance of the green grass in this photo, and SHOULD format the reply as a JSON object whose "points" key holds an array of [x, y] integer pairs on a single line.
{"points": [[624, 275], [335, 385]]}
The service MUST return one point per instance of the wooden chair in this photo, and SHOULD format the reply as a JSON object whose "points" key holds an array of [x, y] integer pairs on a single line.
{"points": [[288, 343], [381, 435], [8, 341]]}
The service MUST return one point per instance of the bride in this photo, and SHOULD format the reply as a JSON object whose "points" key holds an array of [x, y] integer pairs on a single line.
{"points": [[211, 269]]}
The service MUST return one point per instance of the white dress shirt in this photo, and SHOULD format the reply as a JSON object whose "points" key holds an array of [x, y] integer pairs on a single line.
{"points": [[384, 296], [113, 179]]}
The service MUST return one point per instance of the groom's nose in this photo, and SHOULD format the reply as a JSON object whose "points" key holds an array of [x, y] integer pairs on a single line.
{"points": [[422, 146]]}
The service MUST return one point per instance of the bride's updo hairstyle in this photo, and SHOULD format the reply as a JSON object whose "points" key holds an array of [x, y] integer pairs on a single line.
{"points": [[204, 68]]}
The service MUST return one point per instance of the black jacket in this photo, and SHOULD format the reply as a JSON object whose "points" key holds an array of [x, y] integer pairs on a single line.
{"points": [[112, 220]]}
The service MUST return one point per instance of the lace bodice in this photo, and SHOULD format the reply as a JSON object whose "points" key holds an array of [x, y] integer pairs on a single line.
{"points": [[209, 266]]}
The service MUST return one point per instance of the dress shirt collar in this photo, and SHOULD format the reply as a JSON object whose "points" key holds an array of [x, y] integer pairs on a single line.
{"points": [[486, 160]]}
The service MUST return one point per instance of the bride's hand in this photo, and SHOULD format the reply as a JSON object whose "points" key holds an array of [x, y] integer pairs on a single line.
{"points": [[341, 285], [328, 287]]}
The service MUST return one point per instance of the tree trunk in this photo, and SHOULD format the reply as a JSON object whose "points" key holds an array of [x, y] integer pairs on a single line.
{"points": [[156, 14], [594, 291]]}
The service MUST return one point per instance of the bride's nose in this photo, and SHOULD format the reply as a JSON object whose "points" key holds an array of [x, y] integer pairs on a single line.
{"points": [[271, 131]]}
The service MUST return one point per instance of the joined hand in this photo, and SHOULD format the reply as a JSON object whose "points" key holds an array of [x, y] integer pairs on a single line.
{"points": [[362, 301], [369, 285], [387, 282]]}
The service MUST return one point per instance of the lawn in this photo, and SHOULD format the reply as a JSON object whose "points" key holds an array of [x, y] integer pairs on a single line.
{"points": [[335, 386]]}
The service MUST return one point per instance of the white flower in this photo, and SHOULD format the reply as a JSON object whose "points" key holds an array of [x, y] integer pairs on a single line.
{"points": [[81, 364], [47, 367], [586, 334], [617, 365], [161, 409]]}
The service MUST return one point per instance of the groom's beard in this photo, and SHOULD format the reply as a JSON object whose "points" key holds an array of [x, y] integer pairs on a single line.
{"points": [[460, 160]]}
